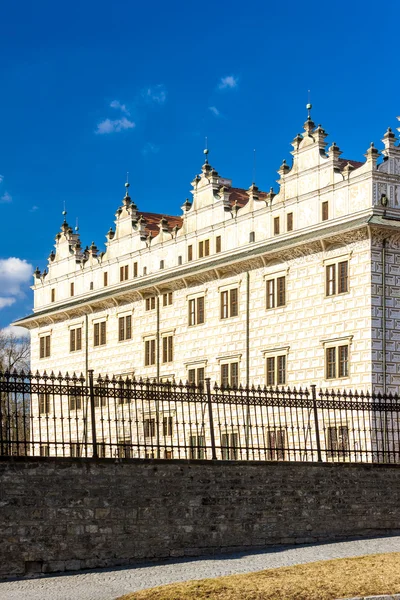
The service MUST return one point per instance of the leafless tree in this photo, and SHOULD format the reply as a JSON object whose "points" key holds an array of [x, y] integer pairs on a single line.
{"points": [[14, 352]]}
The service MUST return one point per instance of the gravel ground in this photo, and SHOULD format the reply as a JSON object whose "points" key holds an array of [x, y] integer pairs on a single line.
{"points": [[108, 584]]}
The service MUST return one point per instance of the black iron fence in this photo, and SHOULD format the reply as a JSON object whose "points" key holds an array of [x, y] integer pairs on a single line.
{"points": [[50, 415]]}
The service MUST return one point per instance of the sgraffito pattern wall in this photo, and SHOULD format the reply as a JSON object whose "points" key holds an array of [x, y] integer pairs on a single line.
{"points": [[67, 514]]}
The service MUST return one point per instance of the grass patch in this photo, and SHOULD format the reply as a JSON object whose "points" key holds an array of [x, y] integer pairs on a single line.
{"points": [[325, 580]]}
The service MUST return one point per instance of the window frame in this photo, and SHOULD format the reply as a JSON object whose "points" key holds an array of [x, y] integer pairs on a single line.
{"points": [[229, 303], [275, 296], [167, 348], [45, 345], [124, 328], [337, 276], [196, 311], [150, 351], [100, 333], [75, 338]]}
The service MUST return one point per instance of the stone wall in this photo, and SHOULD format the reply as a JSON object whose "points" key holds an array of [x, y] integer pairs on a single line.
{"points": [[67, 514]]}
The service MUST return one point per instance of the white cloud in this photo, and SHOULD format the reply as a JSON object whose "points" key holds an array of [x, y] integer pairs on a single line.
{"points": [[157, 94], [122, 107], [14, 273], [229, 82], [1, 178], [214, 111], [150, 148], [114, 126], [6, 198], [6, 302], [16, 331], [34, 208]]}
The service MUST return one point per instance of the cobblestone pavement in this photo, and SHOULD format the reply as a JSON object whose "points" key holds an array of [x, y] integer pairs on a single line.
{"points": [[108, 584]]}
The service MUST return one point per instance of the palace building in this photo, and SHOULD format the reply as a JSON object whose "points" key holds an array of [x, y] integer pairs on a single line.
{"points": [[281, 288]]}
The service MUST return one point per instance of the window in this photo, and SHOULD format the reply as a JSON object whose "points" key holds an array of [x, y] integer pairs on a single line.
{"points": [[123, 273], [276, 226], [135, 269], [44, 450], [72, 289], [144, 270], [325, 211], [179, 260], [276, 370], [125, 448], [204, 248], [161, 264], [53, 295], [91, 285], [125, 328], [44, 351], [190, 253], [229, 303], [337, 441], [149, 352], [75, 449], [151, 303], [99, 400], [167, 426], [218, 244], [100, 334], [75, 400], [44, 404], [276, 292], [337, 278], [105, 279], [197, 445], [167, 299], [229, 446], [167, 349], [289, 222], [337, 361], [196, 311], [196, 375], [276, 444], [230, 374], [149, 427], [252, 236], [75, 339]]}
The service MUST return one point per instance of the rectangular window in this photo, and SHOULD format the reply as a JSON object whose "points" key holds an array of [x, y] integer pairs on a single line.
{"points": [[44, 450], [337, 361], [190, 253], [337, 278], [105, 278], [123, 273], [324, 211], [100, 335], [99, 400], [75, 400], [151, 303], [149, 428], [144, 270], [276, 292], [276, 444], [196, 311], [44, 404], [91, 285], [276, 226], [230, 374], [72, 289], [125, 328], [252, 236], [276, 370], [229, 304], [167, 299], [179, 260], [44, 346], [229, 446], [53, 295], [218, 244], [135, 269], [149, 352], [289, 222], [204, 248], [161, 264], [201, 249], [167, 426], [125, 448], [197, 447], [75, 339], [337, 441], [167, 345], [196, 376]]}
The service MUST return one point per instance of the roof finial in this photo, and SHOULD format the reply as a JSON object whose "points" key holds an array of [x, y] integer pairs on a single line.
{"points": [[205, 151], [309, 106], [64, 213], [127, 184]]}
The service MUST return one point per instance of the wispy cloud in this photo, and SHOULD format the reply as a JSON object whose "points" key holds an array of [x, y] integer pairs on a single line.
{"points": [[6, 302], [118, 106], [150, 148], [114, 125], [214, 111], [156, 94], [228, 83], [16, 331], [14, 276], [6, 198], [34, 208], [1, 178]]}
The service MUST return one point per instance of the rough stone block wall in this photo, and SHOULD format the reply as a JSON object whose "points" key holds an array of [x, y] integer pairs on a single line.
{"points": [[67, 514]]}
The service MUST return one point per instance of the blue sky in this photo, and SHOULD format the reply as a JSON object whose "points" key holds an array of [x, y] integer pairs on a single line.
{"points": [[93, 89]]}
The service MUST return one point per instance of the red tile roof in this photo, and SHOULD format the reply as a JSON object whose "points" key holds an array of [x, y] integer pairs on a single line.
{"points": [[355, 163], [153, 220]]}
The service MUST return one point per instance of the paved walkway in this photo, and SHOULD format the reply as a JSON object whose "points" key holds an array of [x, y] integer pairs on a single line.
{"points": [[108, 584]]}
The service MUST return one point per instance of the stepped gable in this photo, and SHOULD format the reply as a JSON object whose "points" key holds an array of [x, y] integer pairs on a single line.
{"points": [[241, 197], [153, 222]]}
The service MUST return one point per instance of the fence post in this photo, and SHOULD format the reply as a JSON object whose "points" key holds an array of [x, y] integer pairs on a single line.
{"points": [[210, 416], [314, 399], [92, 414]]}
